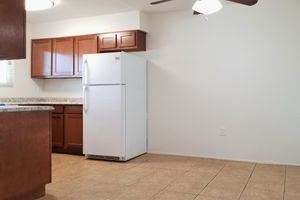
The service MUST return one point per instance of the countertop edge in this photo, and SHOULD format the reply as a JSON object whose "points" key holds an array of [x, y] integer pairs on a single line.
{"points": [[12, 108]]}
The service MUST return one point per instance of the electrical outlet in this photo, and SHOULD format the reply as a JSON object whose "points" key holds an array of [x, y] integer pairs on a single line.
{"points": [[222, 132]]}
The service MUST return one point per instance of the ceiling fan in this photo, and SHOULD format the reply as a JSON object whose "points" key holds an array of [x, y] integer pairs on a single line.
{"points": [[207, 7]]}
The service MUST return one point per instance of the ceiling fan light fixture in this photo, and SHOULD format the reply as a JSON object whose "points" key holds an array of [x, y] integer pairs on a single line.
{"points": [[207, 7], [36, 5]]}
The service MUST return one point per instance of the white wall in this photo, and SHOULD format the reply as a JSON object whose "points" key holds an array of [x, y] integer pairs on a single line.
{"points": [[228, 87], [224, 88], [26, 87], [87, 25]]}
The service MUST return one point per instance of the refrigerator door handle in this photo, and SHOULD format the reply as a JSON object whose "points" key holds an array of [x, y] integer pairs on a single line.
{"points": [[85, 71], [85, 103]]}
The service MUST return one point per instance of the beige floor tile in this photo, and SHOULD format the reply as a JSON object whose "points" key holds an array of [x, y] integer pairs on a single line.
{"points": [[162, 177], [169, 162], [230, 189], [169, 177], [165, 195], [240, 165], [138, 192], [210, 164], [60, 189], [50, 197], [203, 197], [236, 169], [293, 171], [98, 191], [255, 195], [292, 185], [225, 186], [265, 185], [291, 196], [117, 176], [192, 182], [226, 193], [271, 170]]}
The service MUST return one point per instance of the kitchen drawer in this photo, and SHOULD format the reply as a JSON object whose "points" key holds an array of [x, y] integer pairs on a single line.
{"points": [[58, 109], [73, 109]]}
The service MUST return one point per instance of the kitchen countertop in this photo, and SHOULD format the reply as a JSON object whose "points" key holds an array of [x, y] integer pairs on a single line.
{"points": [[15, 108], [41, 100]]}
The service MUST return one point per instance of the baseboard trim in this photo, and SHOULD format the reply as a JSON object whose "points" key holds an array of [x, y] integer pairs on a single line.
{"points": [[224, 158]]}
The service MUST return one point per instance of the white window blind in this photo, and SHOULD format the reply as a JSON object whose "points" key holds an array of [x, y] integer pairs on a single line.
{"points": [[6, 73]]}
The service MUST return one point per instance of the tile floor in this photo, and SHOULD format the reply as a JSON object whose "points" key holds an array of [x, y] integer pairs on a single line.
{"points": [[158, 177]]}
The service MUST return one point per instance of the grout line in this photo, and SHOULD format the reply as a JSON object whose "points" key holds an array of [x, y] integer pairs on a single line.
{"points": [[284, 182], [247, 182], [164, 189], [210, 181]]}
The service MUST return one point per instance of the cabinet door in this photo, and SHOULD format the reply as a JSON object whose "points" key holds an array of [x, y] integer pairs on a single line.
{"points": [[73, 133], [63, 57], [12, 29], [83, 45], [107, 42], [58, 130], [41, 58], [127, 39]]}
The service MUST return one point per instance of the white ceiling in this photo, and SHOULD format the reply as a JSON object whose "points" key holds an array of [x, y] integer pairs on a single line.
{"points": [[67, 9]]}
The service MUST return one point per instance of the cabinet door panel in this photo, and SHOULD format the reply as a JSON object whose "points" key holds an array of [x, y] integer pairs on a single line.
{"points": [[63, 57], [41, 58], [73, 132], [107, 41], [58, 130], [58, 109], [73, 109], [12, 29], [127, 39], [83, 45]]}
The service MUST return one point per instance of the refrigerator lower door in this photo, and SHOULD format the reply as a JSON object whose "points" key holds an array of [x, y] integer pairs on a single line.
{"points": [[104, 121]]}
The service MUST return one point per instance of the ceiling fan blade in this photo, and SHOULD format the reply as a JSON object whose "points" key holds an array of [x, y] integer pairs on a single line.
{"points": [[245, 2], [196, 13], [159, 2]]}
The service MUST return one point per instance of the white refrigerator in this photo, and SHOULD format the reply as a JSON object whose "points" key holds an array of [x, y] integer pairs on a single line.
{"points": [[115, 106]]}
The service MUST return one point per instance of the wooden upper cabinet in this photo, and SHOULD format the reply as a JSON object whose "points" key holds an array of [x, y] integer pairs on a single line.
{"points": [[107, 41], [12, 29], [122, 41], [83, 45], [127, 39], [63, 57], [41, 58]]}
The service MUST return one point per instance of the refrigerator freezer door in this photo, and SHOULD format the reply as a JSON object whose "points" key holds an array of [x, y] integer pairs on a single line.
{"points": [[104, 121], [103, 69]]}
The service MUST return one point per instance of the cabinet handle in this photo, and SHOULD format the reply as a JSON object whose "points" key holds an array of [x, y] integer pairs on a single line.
{"points": [[85, 103]]}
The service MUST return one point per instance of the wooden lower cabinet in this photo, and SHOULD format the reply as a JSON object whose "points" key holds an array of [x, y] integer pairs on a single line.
{"points": [[57, 130], [67, 128], [25, 151], [73, 132]]}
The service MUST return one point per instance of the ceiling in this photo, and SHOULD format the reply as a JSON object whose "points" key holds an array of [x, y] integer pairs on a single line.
{"points": [[67, 9]]}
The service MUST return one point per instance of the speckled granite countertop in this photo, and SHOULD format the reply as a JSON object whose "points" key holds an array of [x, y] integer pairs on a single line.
{"points": [[41, 100], [15, 108]]}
